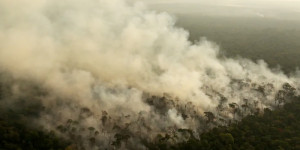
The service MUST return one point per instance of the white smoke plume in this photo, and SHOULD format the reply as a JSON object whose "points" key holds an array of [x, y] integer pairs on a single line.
{"points": [[114, 70]]}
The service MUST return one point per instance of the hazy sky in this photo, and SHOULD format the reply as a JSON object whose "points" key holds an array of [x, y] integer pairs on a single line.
{"points": [[260, 8], [270, 2]]}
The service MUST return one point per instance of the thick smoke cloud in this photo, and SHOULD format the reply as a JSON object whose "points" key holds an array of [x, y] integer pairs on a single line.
{"points": [[114, 69]]}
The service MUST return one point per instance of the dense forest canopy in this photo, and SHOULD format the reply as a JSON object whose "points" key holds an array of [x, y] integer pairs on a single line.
{"points": [[260, 129]]}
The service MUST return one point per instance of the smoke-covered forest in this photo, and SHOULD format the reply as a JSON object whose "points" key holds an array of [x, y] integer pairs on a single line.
{"points": [[98, 74]]}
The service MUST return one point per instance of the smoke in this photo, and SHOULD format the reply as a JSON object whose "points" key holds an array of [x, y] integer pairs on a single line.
{"points": [[110, 73]]}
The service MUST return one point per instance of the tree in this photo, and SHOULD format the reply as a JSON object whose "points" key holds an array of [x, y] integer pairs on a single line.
{"points": [[226, 138], [235, 107], [210, 116]]}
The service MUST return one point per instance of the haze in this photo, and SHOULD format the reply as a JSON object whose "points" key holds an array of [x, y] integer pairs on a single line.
{"points": [[265, 29], [283, 9]]}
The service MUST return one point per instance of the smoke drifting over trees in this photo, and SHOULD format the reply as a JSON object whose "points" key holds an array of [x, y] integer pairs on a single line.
{"points": [[110, 73]]}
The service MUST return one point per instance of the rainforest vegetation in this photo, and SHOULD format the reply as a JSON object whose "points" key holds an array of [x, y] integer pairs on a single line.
{"points": [[262, 129]]}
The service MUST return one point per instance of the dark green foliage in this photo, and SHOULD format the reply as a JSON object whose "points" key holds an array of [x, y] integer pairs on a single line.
{"points": [[274, 130], [17, 131], [14, 135]]}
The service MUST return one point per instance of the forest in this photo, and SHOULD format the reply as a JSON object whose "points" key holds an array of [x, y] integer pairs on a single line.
{"points": [[276, 129]]}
